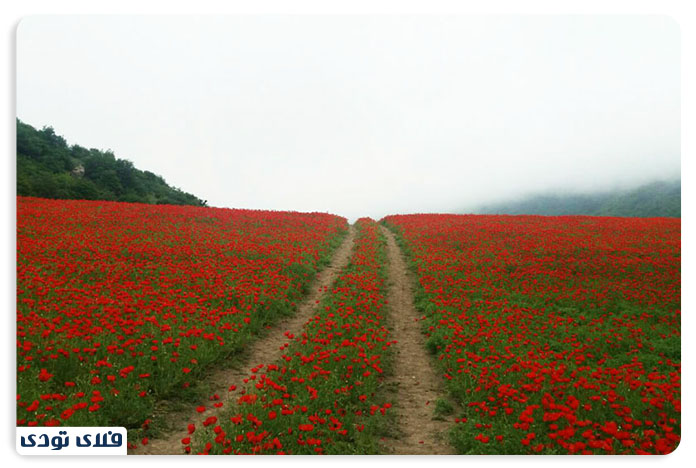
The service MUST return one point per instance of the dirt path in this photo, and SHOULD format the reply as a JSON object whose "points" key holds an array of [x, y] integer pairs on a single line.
{"points": [[418, 386], [262, 351]]}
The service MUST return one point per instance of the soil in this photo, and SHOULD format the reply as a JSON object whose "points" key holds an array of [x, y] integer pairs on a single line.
{"points": [[417, 385], [264, 350]]}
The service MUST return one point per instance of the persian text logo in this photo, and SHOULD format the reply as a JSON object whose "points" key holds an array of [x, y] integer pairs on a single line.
{"points": [[71, 440]]}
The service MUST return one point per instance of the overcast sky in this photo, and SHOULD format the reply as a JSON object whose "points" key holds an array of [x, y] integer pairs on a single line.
{"points": [[363, 115]]}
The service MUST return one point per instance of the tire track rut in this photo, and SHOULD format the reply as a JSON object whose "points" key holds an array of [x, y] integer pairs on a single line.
{"points": [[418, 386]]}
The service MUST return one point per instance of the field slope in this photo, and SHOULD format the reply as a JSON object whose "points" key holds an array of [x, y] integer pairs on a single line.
{"points": [[555, 335], [121, 306]]}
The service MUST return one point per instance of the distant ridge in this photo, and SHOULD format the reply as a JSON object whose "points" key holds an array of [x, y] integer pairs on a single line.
{"points": [[657, 199], [48, 168]]}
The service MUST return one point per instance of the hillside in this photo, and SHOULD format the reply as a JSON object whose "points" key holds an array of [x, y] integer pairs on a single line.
{"points": [[658, 199], [47, 167]]}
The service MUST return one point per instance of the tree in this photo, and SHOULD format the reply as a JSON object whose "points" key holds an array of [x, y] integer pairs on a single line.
{"points": [[45, 163]]}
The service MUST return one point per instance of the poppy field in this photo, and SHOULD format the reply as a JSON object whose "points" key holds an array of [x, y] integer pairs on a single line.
{"points": [[554, 335], [322, 396], [548, 335], [121, 305]]}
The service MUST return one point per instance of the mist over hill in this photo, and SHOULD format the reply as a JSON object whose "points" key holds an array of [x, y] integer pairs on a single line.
{"points": [[656, 199], [48, 167]]}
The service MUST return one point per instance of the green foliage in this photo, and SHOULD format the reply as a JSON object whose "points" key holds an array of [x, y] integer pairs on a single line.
{"points": [[48, 168], [658, 199], [443, 408]]}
